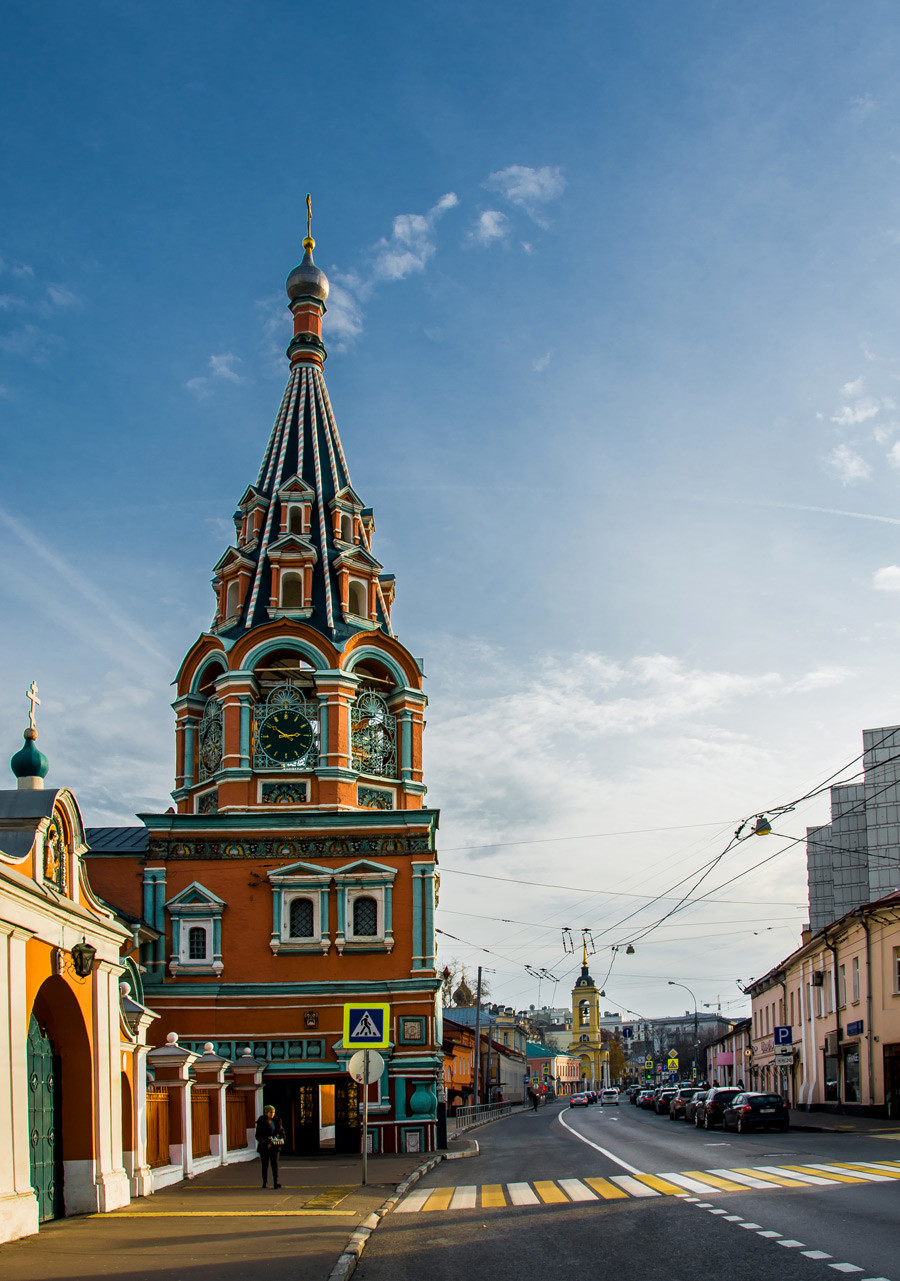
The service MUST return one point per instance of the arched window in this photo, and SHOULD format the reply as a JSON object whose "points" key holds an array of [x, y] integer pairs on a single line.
{"points": [[196, 943], [347, 529], [301, 919], [231, 598], [295, 520], [365, 917], [357, 602], [584, 1012], [292, 591]]}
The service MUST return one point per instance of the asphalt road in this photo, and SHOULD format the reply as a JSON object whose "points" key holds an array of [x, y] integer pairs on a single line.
{"points": [[819, 1228]]}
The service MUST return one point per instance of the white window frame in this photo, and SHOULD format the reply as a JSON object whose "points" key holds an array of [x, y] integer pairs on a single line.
{"points": [[311, 896], [352, 893], [854, 980], [189, 923]]}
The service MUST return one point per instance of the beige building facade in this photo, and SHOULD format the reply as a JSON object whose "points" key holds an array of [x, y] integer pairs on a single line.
{"points": [[838, 996]]}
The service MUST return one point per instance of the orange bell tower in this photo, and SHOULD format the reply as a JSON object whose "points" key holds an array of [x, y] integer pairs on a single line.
{"points": [[300, 695]]}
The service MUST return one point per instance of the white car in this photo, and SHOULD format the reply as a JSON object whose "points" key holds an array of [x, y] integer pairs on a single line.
{"points": [[609, 1096]]}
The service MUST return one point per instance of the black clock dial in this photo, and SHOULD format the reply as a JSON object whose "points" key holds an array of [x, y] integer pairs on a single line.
{"points": [[286, 736]]}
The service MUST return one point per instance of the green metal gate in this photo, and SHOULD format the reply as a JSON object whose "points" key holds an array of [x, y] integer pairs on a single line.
{"points": [[44, 1124]]}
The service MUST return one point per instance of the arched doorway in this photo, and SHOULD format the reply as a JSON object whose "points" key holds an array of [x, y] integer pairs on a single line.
{"points": [[60, 1024], [44, 1123]]}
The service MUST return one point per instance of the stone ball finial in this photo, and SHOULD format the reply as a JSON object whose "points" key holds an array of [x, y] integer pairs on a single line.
{"points": [[171, 1038], [124, 990], [208, 1047]]}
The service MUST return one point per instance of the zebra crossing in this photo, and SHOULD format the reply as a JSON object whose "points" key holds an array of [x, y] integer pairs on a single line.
{"points": [[620, 1187]]}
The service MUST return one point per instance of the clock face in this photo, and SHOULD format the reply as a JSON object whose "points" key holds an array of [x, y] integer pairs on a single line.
{"points": [[286, 736]]}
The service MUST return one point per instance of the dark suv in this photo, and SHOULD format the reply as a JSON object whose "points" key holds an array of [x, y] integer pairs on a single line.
{"points": [[663, 1099], [755, 1111], [708, 1112], [678, 1102]]}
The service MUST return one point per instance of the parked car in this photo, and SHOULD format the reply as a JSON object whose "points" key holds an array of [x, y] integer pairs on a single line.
{"points": [[662, 1101], [756, 1111], [609, 1097], [690, 1107], [679, 1100], [579, 1101], [708, 1112], [644, 1098]]}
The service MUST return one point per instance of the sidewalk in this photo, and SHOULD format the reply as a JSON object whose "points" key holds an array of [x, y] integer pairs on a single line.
{"points": [[839, 1123], [220, 1226]]}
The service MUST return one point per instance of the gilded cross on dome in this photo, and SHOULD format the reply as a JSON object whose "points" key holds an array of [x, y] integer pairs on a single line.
{"points": [[309, 243], [32, 694]]}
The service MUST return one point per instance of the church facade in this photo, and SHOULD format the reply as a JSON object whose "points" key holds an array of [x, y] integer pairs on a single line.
{"points": [[297, 870]]}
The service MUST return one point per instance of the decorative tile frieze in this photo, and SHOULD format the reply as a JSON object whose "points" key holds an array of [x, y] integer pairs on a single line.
{"points": [[374, 798], [324, 847], [270, 1051], [284, 793]]}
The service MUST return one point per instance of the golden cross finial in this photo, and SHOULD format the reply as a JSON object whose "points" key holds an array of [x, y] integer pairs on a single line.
{"points": [[31, 694], [584, 952], [309, 243]]}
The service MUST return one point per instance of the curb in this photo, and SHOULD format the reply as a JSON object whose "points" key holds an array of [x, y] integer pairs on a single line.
{"points": [[348, 1259]]}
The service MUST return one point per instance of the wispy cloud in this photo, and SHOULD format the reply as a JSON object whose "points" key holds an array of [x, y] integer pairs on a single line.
{"points": [[221, 369], [491, 226], [529, 189], [542, 362], [887, 579], [849, 466], [411, 243], [862, 107]]}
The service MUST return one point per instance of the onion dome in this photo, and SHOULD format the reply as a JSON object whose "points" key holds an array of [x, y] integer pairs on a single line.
{"points": [[307, 281], [29, 765]]}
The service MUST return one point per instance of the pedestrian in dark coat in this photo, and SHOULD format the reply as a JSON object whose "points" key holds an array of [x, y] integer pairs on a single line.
{"points": [[269, 1142]]}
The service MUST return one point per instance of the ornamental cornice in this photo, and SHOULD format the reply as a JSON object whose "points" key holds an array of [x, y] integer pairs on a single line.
{"points": [[227, 850]]}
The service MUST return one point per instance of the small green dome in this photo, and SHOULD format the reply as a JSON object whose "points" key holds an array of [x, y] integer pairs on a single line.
{"points": [[28, 762]]}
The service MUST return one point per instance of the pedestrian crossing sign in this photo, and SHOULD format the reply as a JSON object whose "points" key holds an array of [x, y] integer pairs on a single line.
{"points": [[366, 1026]]}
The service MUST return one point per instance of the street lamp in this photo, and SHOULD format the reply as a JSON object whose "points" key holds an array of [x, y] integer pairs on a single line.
{"points": [[672, 983]]}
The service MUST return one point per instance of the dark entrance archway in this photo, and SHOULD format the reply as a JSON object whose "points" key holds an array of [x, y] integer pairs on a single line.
{"points": [[44, 1123], [298, 1101]]}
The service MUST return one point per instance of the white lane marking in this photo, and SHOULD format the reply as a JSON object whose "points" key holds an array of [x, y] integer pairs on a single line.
{"points": [[414, 1202], [815, 1254], [521, 1194], [464, 1198], [715, 1212], [772, 1236], [845, 1267], [751, 1225], [692, 1185], [792, 1245], [856, 1174], [747, 1179], [703, 1205], [812, 1179], [575, 1190], [632, 1169], [732, 1218], [628, 1184]]}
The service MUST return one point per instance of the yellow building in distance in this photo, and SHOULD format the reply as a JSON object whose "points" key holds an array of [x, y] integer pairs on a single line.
{"points": [[586, 1044]]}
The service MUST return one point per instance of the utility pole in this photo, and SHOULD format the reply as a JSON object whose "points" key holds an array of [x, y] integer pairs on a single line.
{"points": [[488, 1073], [477, 1082]]}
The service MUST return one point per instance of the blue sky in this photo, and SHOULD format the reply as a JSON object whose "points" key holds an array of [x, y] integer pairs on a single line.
{"points": [[613, 351]]}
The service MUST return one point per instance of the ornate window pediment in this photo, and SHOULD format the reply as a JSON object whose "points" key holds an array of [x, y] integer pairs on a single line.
{"points": [[300, 897], [196, 915], [365, 906]]}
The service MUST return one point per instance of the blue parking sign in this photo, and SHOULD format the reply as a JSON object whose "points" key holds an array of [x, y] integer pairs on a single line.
{"points": [[783, 1035]]}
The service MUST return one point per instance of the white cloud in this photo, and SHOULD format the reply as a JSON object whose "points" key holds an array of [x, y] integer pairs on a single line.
{"points": [[60, 296], [541, 363], [527, 187], [220, 367], [862, 107], [344, 318], [894, 455], [411, 242], [492, 225], [887, 579], [862, 411], [853, 388], [848, 465]]}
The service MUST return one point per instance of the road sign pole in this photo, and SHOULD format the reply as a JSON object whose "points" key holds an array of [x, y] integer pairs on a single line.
{"points": [[365, 1125]]}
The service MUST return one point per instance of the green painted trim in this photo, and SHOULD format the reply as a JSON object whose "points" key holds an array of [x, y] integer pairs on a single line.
{"points": [[403, 822], [245, 734], [428, 928], [417, 956], [361, 987]]}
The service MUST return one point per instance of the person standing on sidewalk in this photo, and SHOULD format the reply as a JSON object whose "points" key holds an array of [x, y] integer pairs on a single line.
{"points": [[269, 1142]]}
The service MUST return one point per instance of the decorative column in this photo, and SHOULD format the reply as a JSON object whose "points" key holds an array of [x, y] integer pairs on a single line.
{"points": [[18, 1204], [110, 1181], [247, 1075], [171, 1066], [209, 1071]]}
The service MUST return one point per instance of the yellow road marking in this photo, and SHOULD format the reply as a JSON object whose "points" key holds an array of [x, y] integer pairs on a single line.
{"points": [[606, 1189], [439, 1199], [823, 1174], [492, 1196], [724, 1185], [869, 1166], [328, 1198], [220, 1214], [661, 1185], [771, 1178], [549, 1193]]}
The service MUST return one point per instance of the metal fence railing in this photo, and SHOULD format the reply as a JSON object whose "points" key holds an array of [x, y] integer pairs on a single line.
{"points": [[463, 1118]]}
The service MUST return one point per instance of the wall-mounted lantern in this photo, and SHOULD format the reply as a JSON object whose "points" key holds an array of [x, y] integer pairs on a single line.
{"points": [[83, 958]]}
